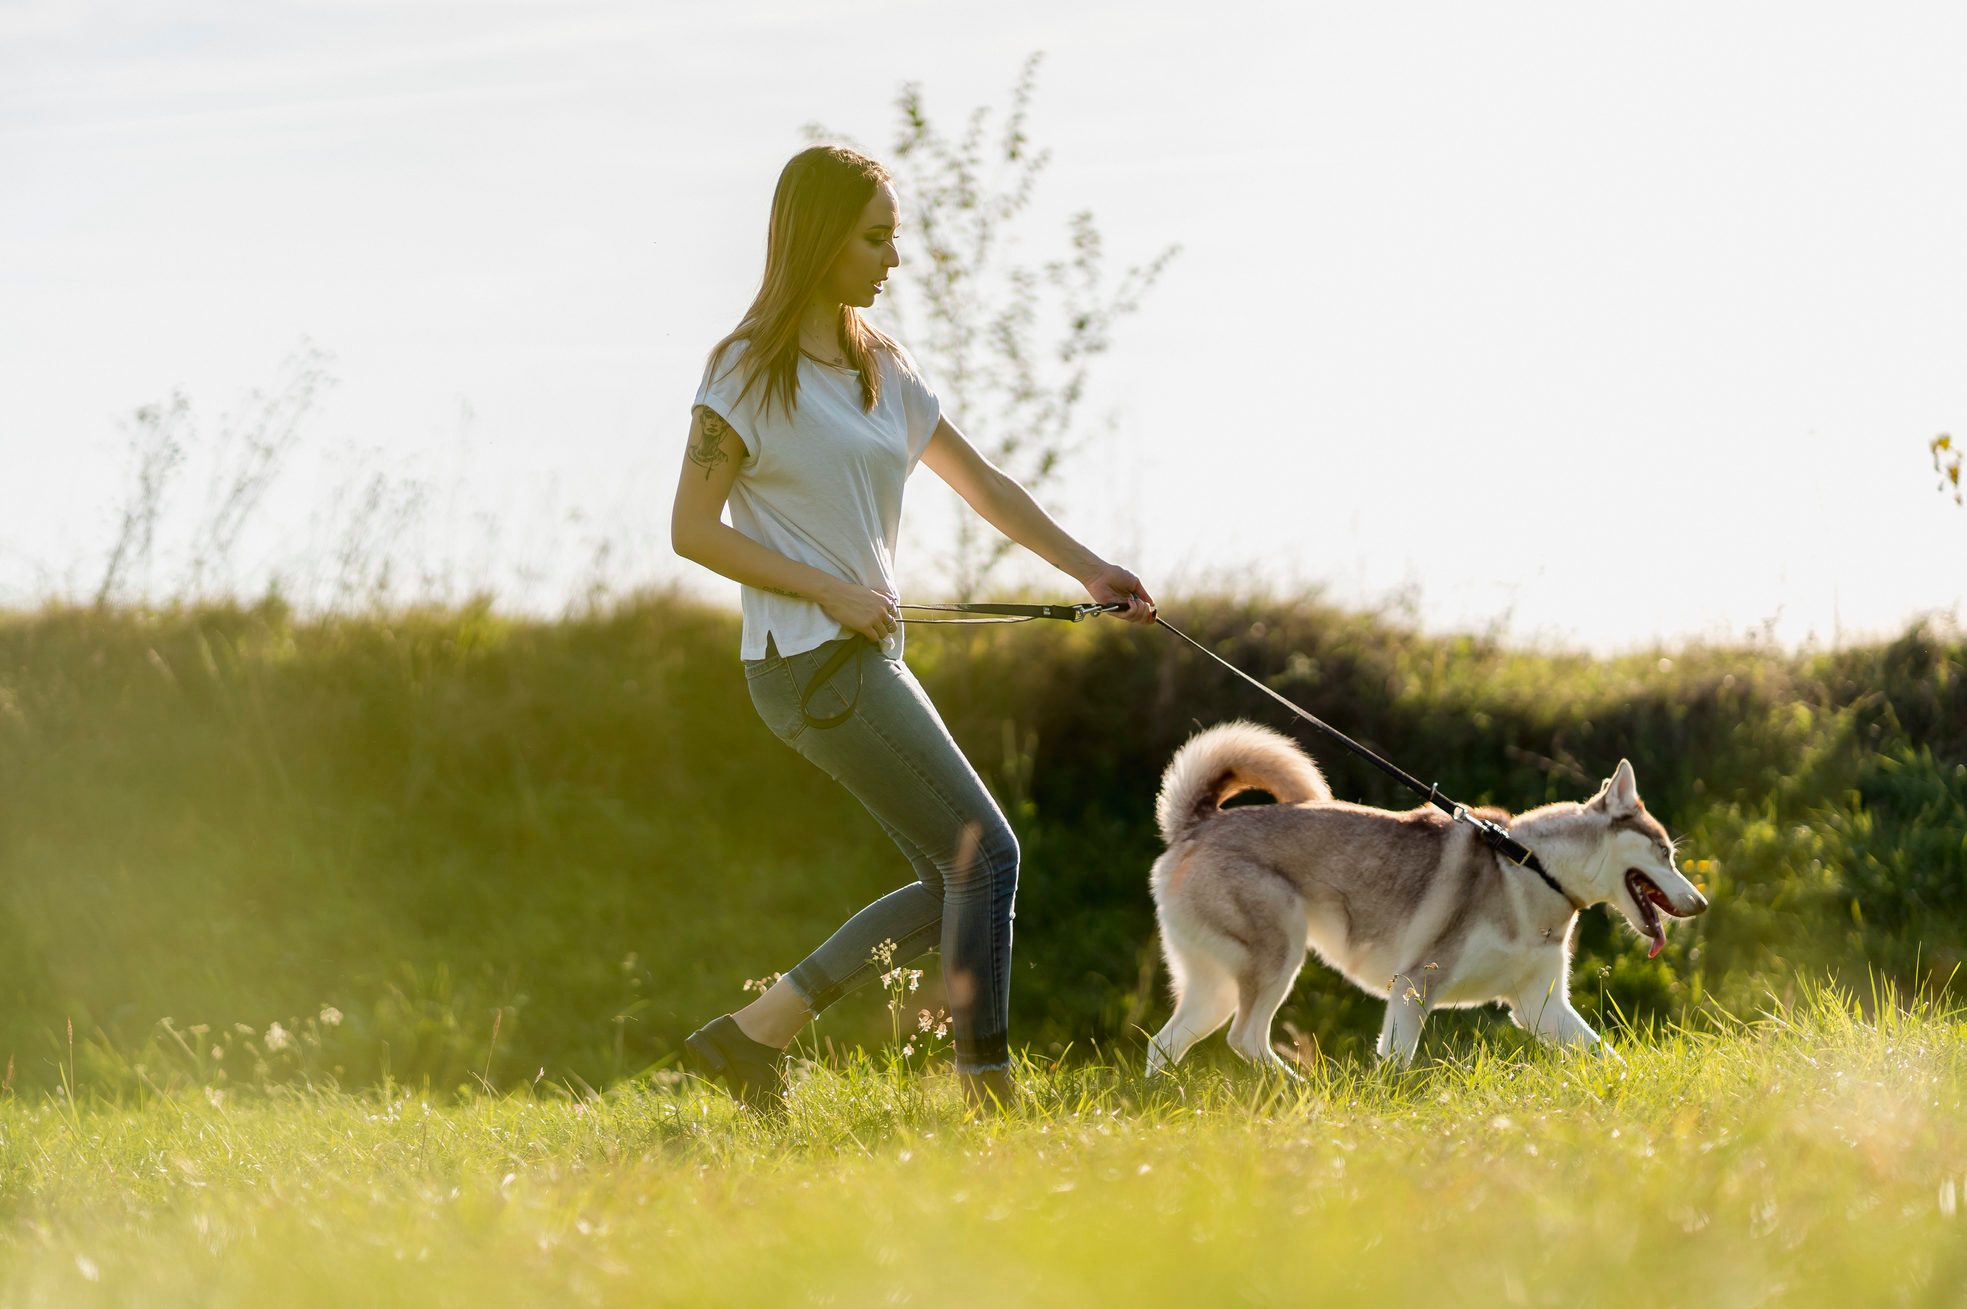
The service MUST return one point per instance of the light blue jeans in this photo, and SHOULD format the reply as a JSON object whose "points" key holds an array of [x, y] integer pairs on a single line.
{"points": [[897, 758]]}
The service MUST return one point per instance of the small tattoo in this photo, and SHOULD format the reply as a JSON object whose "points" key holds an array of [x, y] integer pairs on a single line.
{"points": [[708, 453], [779, 590]]}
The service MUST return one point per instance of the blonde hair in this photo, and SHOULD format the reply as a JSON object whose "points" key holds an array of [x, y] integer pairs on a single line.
{"points": [[821, 194]]}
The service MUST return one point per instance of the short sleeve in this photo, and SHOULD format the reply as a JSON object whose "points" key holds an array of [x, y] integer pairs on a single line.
{"points": [[722, 382], [919, 403]]}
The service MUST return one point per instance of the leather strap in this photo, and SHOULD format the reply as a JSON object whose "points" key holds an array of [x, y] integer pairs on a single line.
{"points": [[847, 649]]}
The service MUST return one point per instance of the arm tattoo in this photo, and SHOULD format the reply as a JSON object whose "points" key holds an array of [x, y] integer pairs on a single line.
{"points": [[708, 452], [779, 590]]}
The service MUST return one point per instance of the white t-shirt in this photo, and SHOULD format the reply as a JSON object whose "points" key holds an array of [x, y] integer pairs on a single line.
{"points": [[822, 485]]}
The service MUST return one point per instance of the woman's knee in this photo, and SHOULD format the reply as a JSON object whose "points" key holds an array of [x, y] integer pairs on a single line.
{"points": [[1004, 872], [985, 860]]}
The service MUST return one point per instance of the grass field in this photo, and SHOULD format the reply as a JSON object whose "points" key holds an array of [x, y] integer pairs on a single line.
{"points": [[259, 875], [1810, 1155]]}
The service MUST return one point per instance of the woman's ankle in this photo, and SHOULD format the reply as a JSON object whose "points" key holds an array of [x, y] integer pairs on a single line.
{"points": [[775, 1017], [762, 1032]]}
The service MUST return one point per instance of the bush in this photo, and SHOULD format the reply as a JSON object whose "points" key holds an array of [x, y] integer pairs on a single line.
{"points": [[436, 821]]}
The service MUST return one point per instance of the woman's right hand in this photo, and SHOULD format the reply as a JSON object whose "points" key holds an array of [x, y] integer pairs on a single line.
{"points": [[876, 615]]}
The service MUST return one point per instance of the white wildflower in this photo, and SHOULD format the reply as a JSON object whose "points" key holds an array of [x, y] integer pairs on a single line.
{"points": [[330, 1016], [277, 1038]]}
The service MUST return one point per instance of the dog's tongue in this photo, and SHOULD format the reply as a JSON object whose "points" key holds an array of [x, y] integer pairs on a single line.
{"points": [[1659, 944]]}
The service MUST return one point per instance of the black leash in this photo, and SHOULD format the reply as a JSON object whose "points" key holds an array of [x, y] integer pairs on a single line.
{"points": [[1492, 833]]}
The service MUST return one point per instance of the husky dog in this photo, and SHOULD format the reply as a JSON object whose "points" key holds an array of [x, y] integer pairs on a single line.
{"points": [[1411, 906]]}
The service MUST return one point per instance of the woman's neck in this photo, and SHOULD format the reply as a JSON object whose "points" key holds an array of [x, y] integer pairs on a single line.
{"points": [[819, 330]]}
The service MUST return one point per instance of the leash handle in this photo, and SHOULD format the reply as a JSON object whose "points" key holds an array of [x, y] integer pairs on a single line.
{"points": [[1012, 613]]}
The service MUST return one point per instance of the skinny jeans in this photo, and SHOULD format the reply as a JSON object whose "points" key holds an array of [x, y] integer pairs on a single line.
{"points": [[896, 757]]}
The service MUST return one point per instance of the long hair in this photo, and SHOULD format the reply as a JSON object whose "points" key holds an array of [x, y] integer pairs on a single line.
{"points": [[818, 204]]}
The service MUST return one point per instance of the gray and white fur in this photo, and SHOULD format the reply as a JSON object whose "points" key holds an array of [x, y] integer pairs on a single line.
{"points": [[1412, 907]]}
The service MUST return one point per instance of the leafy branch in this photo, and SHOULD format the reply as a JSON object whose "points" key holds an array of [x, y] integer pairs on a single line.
{"points": [[1946, 462]]}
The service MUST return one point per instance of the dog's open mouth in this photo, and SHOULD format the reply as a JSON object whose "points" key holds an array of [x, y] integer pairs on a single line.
{"points": [[1650, 899]]}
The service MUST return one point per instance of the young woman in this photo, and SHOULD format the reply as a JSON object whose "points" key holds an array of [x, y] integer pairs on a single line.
{"points": [[808, 422]]}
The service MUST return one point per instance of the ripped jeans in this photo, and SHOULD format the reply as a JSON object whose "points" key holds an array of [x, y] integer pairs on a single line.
{"points": [[896, 757]]}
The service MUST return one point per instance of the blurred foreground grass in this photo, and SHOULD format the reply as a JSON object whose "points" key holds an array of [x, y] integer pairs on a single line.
{"points": [[1813, 1155]]}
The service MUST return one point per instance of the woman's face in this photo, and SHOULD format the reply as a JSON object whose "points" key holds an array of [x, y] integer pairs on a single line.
{"points": [[863, 263]]}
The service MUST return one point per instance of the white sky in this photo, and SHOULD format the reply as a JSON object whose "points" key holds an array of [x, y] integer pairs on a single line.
{"points": [[1618, 326]]}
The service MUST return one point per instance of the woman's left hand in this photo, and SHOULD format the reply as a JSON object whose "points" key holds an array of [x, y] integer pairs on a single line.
{"points": [[1113, 585]]}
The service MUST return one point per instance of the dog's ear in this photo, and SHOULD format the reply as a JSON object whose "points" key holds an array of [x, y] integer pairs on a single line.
{"points": [[1622, 790], [1619, 793]]}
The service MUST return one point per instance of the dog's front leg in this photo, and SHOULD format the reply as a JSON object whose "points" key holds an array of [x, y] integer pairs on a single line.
{"points": [[1568, 1028], [1406, 1010], [1547, 1011], [1563, 1025]]}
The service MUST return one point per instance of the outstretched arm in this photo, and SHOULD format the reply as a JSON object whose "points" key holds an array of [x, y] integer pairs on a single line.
{"points": [[1000, 501]]}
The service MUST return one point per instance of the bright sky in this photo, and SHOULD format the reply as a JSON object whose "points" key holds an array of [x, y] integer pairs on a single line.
{"points": [[1614, 326]]}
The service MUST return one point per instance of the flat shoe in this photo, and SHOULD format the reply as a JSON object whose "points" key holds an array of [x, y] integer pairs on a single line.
{"points": [[719, 1050]]}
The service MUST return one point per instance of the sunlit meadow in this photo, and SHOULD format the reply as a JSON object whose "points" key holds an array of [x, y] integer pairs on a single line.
{"points": [[1809, 1155]]}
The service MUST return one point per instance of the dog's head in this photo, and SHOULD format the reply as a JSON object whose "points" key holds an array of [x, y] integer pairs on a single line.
{"points": [[1635, 870]]}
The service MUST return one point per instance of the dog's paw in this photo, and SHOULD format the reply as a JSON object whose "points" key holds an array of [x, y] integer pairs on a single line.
{"points": [[1605, 1050]]}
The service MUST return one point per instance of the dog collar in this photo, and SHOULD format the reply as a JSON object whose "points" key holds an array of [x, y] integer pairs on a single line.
{"points": [[1536, 866], [1508, 847]]}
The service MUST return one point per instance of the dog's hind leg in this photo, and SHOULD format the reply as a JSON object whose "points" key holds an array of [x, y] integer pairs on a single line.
{"points": [[1273, 962], [1205, 997]]}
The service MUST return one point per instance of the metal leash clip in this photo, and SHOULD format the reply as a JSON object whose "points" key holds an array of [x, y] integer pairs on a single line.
{"points": [[1497, 837]]}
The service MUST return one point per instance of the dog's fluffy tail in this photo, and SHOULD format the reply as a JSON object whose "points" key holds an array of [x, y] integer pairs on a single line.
{"points": [[1228, 759]]}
